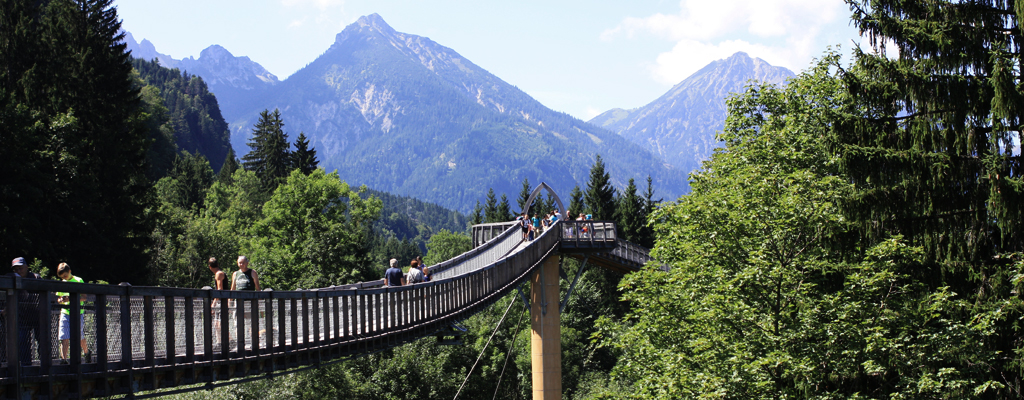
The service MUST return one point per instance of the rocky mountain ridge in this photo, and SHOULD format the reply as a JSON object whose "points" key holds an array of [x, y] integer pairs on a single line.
{"points": [[680, 126]]}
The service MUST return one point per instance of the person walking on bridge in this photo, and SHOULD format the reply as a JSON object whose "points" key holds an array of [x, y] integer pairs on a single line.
{"points": [[220, 280], [415, 274], [28, 312], [64, 326], [393, 275], [245, 278]]}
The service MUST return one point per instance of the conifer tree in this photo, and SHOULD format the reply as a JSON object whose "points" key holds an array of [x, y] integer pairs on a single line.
{"points": [[524, 195], [630, 215], [934, 157], [228, 167], [504, 210], [600, 196], [73, 118], [646, 238], [269, 158], [491, 207], [304, 157], [477, 217], [576, 205]]}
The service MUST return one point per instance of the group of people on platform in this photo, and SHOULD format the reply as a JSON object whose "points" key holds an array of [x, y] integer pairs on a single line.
{"points": [[244, 278], [28, 315], [418, 273], [535, 226]]}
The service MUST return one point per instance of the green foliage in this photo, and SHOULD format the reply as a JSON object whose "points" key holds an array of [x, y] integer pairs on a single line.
{"points": [[185, 187], [162, 149], [477, 217], [270, 157], [311, 233], [192, 111], [227, 168], [600, 196], [770, 294], [491, 213], [630, 214], [304, 158], [445, 245], [576, 205], [504, 210], [73, 121]]}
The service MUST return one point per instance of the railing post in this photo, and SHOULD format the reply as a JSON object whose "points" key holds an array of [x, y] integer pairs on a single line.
{"points": [[126, 337], [169, 317], [208, 333], [13, 333], [149, 341], [101, 331], [254, 326]]}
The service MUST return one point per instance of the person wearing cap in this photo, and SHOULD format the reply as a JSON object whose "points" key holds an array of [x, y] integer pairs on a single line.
{"points": [[64, 327], [393, 276], [28, 312]]}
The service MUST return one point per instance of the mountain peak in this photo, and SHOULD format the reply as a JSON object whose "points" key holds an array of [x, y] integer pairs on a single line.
{"points": [[366, 24]]}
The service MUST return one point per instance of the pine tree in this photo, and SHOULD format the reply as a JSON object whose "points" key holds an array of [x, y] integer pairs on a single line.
{"points": [[504, 210], [491, 207], [630, 216], [646, 238], [304, 158], [68, 95], [600, 196], [477, 217], [227, 168], [934, 158], [269, 157], [576, 205], [524, 195]]}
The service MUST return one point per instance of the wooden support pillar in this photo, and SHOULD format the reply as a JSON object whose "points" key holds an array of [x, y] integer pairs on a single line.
{"points": [[546, 340]]}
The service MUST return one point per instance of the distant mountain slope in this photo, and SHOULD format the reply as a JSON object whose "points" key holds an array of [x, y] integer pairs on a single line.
{"points": [[192, 111], [237, 81], [680, 126], [403, 114]]}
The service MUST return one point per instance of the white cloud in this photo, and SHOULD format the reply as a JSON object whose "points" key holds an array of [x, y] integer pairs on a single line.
{"points": [[786, 33], [593, 112]]}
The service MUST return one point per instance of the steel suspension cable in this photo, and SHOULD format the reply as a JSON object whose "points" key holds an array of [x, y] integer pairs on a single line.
{"points": [[485, 348], [519, 326]]}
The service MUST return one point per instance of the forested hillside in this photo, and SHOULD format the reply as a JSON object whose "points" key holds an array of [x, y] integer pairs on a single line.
{"points": [[191, 110]]}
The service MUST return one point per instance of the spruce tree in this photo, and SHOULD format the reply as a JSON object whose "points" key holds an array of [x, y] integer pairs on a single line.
{"points": [[524, 195], [576, 204], [600, 196], [269, 158], [630, 216], [504, 210], [227, 168], [934, 158], [646, 238], [491, 207], [73, 118], [477, 217], [304, 158]]}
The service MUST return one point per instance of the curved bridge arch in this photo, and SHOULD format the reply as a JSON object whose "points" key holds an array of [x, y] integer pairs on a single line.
{"points": [[536, 192]]}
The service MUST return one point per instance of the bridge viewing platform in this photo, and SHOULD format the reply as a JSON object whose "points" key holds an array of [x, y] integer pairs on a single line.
{"points": [[169, 340]]}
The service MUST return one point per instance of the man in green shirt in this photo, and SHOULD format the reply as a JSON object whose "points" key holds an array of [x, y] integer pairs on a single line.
{"points": [[64, 273]]}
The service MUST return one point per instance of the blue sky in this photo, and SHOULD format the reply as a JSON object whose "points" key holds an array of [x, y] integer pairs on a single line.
{"points": [[578, 57]]}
